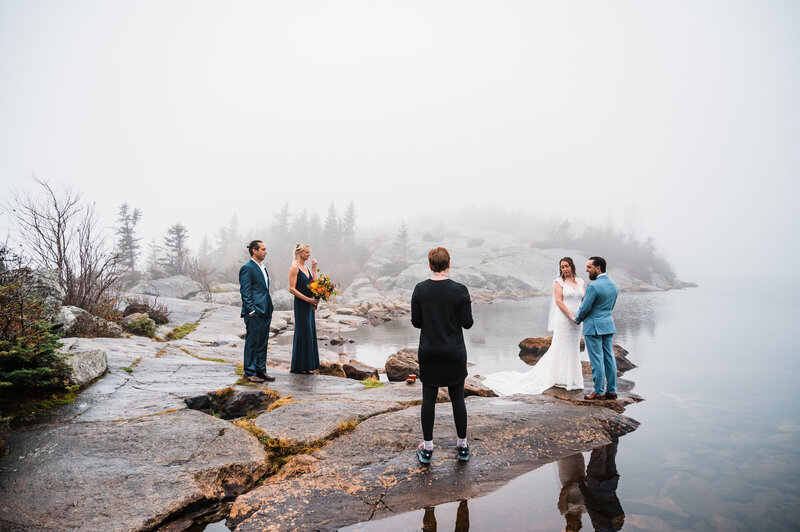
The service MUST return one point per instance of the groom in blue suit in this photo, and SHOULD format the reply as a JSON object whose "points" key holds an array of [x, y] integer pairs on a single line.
{"points": [[598, 329], [257, 312]]}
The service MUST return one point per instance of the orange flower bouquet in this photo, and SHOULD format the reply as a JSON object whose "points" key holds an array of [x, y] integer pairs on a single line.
{"points": [[322, 287]]}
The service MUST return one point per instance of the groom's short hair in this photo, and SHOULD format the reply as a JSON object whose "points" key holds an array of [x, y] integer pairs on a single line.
{"points": [[599, 262], [254, 245]]}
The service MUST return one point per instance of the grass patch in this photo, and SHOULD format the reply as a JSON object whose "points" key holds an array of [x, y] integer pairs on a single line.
{"points": [[161, 352], [182, 330], [249, 426], [345, 427], [372, 382], [281, 402], [240, 369], [136, 362], [208, 359], [127, 368]]}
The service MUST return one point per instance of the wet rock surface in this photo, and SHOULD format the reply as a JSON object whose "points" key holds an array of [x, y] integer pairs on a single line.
{"points": [[127, 475]]}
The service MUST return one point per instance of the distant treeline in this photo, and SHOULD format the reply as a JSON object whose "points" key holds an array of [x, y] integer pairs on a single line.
{"points": [[332, 240]]}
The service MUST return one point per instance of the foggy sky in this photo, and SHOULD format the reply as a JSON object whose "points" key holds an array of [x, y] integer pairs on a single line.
{"points": [[680, 119]]}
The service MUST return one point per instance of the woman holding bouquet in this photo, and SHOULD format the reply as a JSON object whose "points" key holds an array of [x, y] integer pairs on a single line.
{"points": [[305, 353]]}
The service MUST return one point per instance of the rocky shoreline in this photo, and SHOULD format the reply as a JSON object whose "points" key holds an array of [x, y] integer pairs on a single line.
{"points": [[135, 452]]}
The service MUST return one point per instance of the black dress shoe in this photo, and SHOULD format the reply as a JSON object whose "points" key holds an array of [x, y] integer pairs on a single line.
{"points": [[266, 376], [611, 396], [594, 397]]}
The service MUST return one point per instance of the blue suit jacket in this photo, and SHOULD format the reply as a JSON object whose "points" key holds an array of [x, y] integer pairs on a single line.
{"points": [[595, 311], [255, 294]]}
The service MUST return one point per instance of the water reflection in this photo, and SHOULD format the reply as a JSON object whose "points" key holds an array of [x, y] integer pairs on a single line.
{"points": [[571, 494], [462, 518], [600, 489], [592, 491]]}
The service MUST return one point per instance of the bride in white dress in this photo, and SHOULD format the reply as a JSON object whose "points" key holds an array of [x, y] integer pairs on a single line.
{"points": [[560, 365]]}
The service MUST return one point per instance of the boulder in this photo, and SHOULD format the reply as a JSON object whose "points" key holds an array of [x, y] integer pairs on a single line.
{"points": [[281, 300], [72, 320], [535, 346], [139, 324], [234, 299], [44, 286], [334, 369], [474, 386], [65, 320], [358, 371], [225, 287], [402, 364], [86, 366], [177, 286]]}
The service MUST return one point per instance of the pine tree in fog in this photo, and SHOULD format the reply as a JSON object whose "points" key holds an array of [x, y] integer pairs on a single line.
{"points": [[127, 241], [176, 251]]}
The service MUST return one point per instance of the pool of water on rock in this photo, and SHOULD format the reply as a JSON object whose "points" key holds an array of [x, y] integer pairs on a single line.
{"points": [[718, 445]]}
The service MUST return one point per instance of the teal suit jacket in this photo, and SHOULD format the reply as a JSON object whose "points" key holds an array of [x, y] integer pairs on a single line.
{"points": [[254, 291], [595, 310]]}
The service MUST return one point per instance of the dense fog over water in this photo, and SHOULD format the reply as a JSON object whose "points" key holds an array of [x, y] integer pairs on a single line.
{"points": [[675, 121]]}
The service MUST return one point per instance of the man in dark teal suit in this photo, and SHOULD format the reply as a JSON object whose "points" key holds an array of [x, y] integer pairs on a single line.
{"points": [[598, 329], [257, 312]]}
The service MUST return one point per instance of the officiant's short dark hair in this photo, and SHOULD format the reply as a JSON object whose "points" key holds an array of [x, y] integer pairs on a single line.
{"points": [[254, 245], [438, 259], [600, 262]]}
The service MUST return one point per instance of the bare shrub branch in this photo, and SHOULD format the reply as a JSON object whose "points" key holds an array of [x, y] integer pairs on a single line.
{"points": [[60, 233]]}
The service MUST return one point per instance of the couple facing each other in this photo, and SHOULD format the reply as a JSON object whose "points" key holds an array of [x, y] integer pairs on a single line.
{"points": [[257, 311], [574, 307]]}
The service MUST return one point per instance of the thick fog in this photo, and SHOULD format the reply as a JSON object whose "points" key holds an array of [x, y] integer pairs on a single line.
{"points": [[673, 120]]}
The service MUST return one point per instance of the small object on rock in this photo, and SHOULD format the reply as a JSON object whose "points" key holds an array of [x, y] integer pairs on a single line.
{"points": [[411, 379]]}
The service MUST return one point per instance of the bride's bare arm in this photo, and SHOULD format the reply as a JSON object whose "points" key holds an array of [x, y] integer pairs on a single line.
{"points": [[558, 292]]}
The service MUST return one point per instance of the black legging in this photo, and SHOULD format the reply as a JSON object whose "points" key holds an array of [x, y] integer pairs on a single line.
{"points": [[428, 411]]}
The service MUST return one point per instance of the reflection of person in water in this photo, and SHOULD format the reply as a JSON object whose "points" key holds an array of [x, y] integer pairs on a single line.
{"points": [[570, 500], [600, 489], [462, 518]]}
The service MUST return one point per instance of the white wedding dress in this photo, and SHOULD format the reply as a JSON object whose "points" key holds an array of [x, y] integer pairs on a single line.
{"points": [[560, 365]]}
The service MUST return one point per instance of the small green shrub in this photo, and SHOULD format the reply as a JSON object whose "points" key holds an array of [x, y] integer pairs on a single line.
{"points": [[142, 326], [182, 330]]}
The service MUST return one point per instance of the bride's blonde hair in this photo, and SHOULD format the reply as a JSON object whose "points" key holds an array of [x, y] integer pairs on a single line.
{"points": [[298, 248]]}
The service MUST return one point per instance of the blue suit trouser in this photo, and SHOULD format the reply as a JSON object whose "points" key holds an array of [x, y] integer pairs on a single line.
{"points": [[604, 365], [255, 344]]}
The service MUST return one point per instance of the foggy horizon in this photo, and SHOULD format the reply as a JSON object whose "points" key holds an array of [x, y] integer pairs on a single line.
{"points": [[677, 122]]}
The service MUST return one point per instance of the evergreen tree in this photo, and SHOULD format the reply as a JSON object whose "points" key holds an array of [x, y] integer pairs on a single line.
{"points": [[330, 231], [402, 239], [127, 241], [348, 227], [153, 259], [176, 251]]}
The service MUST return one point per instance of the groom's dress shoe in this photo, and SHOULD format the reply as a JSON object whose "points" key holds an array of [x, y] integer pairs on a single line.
{"points": [[611, 396], [594, 397], [266, 376]]}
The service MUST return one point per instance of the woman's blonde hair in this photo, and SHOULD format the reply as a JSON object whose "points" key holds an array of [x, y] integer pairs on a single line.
{"points": [[298, 248]]}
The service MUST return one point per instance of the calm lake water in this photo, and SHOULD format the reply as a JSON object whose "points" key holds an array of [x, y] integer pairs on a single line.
{"points": [[717, 448]]}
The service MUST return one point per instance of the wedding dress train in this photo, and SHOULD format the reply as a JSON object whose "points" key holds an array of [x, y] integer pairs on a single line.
{"points": [[560, 365]]}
